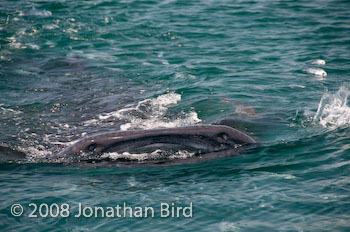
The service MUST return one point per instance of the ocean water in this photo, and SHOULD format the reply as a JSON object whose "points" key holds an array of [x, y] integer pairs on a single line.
{"points": [[280, 69]]}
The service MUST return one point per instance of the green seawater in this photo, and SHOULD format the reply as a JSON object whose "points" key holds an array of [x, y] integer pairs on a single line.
{"points": [[73, 68]]}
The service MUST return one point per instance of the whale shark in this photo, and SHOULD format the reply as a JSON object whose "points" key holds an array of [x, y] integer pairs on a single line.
{"points": [[203, 140]]}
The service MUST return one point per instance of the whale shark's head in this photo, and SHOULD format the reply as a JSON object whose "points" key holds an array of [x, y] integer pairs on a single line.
{"points": [[201, 139], [227, 137]]}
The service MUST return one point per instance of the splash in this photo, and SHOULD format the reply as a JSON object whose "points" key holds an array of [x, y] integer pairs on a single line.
{"points": [[149, 114], [334, 109]]}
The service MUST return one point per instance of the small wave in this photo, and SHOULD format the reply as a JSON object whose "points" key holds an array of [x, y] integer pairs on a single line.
{"points": [[334, 110], [149, 114]]}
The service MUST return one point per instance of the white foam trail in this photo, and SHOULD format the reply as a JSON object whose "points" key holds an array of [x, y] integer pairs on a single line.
{"points": [[316, 71], [334, 110], [149, 114]]}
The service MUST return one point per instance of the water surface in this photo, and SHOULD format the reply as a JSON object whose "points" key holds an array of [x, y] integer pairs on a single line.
{"points": [[73, 68]]}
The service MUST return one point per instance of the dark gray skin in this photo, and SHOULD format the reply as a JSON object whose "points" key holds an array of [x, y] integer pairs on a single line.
{"points": [[9, 154], [201, 138]]}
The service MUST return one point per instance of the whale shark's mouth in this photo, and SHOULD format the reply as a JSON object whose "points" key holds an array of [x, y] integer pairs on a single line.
{"points": [[191, 143], [158, 157], [166, 146], [160, 146], [157, 151]]}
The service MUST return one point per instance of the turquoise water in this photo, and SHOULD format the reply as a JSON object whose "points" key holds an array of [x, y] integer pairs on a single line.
{"points": [[73, 68]]}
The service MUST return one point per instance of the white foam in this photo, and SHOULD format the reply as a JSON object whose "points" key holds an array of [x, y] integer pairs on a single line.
{"points": [[181, 154], [14, 44], [149, 114], [284, 176], [146, 63], [156, 154], [318, 62], [152, 123], [41, 13], [227, 226], [97, 55], [137, 156], [333, 110], [6, 111], [51, 26], [50, 44], [106, 20], [297, 86], [70, 30], [33, 46], [184, 76], [132, 181], [34, 153], [165, 62], [316, 71]]}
